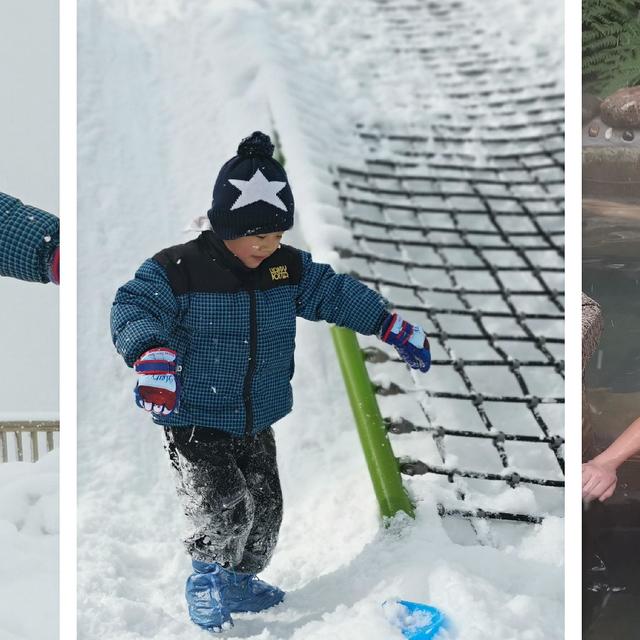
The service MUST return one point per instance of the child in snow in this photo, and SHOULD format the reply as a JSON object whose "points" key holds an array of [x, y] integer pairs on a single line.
{"points": [[29, 242], [209, 326]]}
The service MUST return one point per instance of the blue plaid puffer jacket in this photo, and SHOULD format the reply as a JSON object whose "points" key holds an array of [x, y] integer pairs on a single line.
{"points": [[232, 327], [28, 238]]}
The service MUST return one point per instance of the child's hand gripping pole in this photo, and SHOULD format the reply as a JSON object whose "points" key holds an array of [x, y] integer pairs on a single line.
{"points": [[409, 340], [157, 388]]}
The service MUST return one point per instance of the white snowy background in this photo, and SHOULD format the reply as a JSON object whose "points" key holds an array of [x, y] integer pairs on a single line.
{"points": [[166, 91], [29, 322]]}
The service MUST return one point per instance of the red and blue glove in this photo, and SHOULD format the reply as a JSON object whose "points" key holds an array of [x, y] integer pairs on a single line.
{"points": [[157, 389], [409, 340]]}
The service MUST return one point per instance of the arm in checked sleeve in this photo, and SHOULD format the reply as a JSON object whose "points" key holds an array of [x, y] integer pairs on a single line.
{"points": [[338, 298], [29, 242], [143, 312]]}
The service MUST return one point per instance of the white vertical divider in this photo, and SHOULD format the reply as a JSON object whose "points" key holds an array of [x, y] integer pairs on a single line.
{"points": [[68, 324], [573, 287]]}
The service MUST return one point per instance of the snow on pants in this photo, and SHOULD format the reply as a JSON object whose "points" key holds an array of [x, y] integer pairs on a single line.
{"points": [[231, 492]]}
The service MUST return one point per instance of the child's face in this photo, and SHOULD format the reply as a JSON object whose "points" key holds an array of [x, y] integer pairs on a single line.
{"points": [[252, 250]]}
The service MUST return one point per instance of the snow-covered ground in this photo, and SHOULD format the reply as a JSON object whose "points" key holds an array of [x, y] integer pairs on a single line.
{"points": [[166, 91], [29, 549]]}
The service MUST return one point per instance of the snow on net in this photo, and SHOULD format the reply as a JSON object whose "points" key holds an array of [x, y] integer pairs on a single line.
{"points": [[457, 218]]}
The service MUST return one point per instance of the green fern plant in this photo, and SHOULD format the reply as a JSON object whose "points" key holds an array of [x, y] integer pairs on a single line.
{"points": [[610, 45]]}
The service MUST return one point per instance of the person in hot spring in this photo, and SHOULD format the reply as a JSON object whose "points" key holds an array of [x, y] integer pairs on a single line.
{"points": [[599, 475]]}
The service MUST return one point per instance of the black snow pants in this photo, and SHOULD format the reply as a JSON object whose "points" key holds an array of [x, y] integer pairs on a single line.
{"points": [[231, 492]]}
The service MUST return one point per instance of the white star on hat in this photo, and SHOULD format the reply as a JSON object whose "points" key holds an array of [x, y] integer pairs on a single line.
{"points": [[258, 188]]}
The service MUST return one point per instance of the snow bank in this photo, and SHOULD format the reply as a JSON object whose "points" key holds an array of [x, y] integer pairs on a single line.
{"points": [[29, 549]]}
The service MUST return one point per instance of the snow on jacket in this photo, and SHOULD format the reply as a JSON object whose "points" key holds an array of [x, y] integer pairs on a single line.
{"points": [[232, 327], [28, 239]]}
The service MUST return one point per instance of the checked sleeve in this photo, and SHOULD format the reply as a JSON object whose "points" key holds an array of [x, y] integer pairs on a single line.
{"points": [[338, 298], [143, 313], [28, 240]]}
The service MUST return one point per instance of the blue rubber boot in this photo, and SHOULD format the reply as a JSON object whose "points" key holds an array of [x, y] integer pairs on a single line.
{"points": [[205, 597], [244, 592]]}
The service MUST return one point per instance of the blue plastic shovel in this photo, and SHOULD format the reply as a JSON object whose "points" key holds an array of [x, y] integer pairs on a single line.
{"points": [[417, 621]]}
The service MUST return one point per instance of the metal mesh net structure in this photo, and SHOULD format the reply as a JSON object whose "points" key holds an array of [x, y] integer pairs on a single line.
{"points": [[457, 218]]}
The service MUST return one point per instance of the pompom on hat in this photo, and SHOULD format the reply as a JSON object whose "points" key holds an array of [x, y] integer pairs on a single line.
{"points": [[251, 195]]}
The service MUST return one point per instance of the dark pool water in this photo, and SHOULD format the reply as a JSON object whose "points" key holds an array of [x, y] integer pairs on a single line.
{"points": [[611, 539]]}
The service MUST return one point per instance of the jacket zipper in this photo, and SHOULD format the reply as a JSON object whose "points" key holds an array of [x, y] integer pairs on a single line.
{"points": [[253, 340]]}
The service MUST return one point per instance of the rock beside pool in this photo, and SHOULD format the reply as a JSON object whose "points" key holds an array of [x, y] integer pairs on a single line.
{"points": [[590, 107], [622, 109], [592, 327]]}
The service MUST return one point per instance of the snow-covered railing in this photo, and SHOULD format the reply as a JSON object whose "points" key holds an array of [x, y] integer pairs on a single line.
{"points": [[22, 440]]}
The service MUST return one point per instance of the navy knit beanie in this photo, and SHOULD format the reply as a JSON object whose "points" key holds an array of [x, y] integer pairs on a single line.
{"points": [[251, 195]]}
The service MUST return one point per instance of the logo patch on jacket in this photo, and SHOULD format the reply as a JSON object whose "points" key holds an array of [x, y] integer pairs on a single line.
{"points": [[279, 273]]}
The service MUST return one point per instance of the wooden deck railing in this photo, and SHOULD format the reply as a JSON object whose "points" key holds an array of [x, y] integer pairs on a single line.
{"points": [[14, 432]]}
